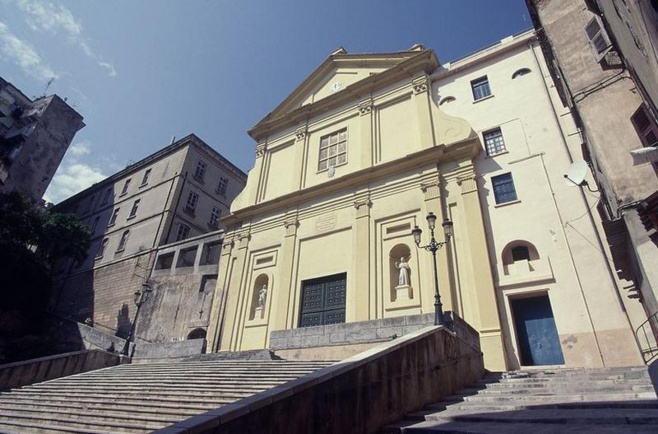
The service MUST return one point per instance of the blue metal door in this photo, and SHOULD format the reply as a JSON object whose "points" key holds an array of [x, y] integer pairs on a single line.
{"points": [[539, 343]]}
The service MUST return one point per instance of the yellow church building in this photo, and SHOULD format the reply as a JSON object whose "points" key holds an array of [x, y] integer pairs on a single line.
{"points": [[370, 144]]}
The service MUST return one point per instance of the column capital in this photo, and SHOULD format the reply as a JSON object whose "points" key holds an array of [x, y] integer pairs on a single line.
{"points": [[291, 226], [365, 107], [300, 133], [363, 207], [260, 149], [420, 84], [468, 183]]}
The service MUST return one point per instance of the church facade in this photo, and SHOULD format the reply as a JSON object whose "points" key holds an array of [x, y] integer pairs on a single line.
{"points": [[362, 151]]}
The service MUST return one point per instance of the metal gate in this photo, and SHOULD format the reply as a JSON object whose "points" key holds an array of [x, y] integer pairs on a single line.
{"points": [[323, 301]]}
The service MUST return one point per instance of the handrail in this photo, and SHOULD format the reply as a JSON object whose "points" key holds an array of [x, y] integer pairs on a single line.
{"points": [[650, 337]]}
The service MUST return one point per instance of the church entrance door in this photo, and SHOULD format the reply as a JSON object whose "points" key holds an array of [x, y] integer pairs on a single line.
{"points": [[323, 301]]}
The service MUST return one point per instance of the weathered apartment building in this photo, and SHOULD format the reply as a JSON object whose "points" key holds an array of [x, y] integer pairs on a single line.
{"points": [[172, 198], [34, 136], [602, 55], [370, 144]]}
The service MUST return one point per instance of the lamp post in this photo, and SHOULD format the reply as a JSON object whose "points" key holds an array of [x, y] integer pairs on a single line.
{"points": [[433, 247], [141, 295]]}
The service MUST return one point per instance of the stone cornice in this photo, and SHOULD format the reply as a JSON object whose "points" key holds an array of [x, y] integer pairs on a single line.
{"points": [[466, 149], [424, 61]]}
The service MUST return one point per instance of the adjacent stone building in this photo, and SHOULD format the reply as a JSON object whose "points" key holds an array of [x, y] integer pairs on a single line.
{"points": [[602, 55], [174, 195], [363, 150], [34, 136]]}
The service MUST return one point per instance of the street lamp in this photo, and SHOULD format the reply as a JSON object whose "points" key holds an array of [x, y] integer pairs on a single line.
{"points": [[141, 295], [433, 247]]}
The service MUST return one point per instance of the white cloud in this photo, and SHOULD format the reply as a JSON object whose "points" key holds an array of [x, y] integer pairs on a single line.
{"points": [[73, 175], [23, 54], [82, 148], [44, 16]]}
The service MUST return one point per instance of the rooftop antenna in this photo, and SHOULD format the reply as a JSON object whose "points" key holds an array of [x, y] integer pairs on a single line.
{"points": [[45, 90]]}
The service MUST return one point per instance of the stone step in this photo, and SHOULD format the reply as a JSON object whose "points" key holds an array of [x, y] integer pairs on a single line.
{"points": [[549, 398], [162, 386], [193, 400], [74, 407], [155, 395], [127, 403], [97, 417], [20, 427], [602, 416], [619, 400], [477, 407], [524, 428], [125, 425], [556, 389]]}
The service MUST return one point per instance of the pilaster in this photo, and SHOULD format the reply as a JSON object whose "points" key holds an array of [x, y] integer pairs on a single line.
{"points": [[366, 124], [487, 321], [281, 299], [236, 296], [362, 283], [421, 90]]}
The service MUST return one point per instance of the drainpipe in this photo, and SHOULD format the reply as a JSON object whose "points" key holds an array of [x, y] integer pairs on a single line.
{"points": [[599, 240]]}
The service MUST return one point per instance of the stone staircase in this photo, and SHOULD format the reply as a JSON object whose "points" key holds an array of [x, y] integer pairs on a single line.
{"points": [[612, 400], [140, 398]]}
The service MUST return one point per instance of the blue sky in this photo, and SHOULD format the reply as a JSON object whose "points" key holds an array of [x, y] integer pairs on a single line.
{"points": [[143, 71]]}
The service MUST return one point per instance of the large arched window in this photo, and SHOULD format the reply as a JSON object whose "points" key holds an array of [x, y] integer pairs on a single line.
{"points": [[518, 252]]}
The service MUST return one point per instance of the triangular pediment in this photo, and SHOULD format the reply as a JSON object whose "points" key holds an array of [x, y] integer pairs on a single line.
{"points": [[342, 72]]}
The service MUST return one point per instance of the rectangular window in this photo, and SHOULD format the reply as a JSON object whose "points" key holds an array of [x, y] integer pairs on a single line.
{"points": [[183, 232], [133, 211], [113, 219], [647, 130], [503, 188], [214, 217], [106, 198], [125, 187], [101, 248], [145, 179], [91, 203], [598, 38], [210, 253], [333, 150], [493, 142], [221, 187], [480, 88], [123, 241], [94, 224], [200, 171], [192, 200]]}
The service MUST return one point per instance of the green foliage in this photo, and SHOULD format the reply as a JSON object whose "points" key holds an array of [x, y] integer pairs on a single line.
{"points": [[31, 241]]}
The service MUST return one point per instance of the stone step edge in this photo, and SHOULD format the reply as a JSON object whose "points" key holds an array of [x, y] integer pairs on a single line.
{"points": [[75, 424]]}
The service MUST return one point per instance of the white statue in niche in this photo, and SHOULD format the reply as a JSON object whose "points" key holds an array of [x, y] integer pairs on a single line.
{"points": [[403, 277], [262, 297]]}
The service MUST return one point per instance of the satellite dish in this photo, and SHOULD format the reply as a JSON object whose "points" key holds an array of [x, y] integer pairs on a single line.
{"points": [[575, 176]]}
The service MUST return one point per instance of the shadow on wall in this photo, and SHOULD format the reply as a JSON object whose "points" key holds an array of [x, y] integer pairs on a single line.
{"points": [[123, 321]]}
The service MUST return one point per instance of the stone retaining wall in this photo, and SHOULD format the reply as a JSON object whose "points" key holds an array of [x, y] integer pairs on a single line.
{"points": [[20, 374], [348, 333]]}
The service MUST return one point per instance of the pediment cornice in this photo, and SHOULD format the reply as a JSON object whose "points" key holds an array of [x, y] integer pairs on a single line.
{"points": [[403, 65]]}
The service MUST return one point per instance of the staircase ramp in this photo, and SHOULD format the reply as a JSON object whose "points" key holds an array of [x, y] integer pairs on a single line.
{"points": [[141, 398], [608, 400]]}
